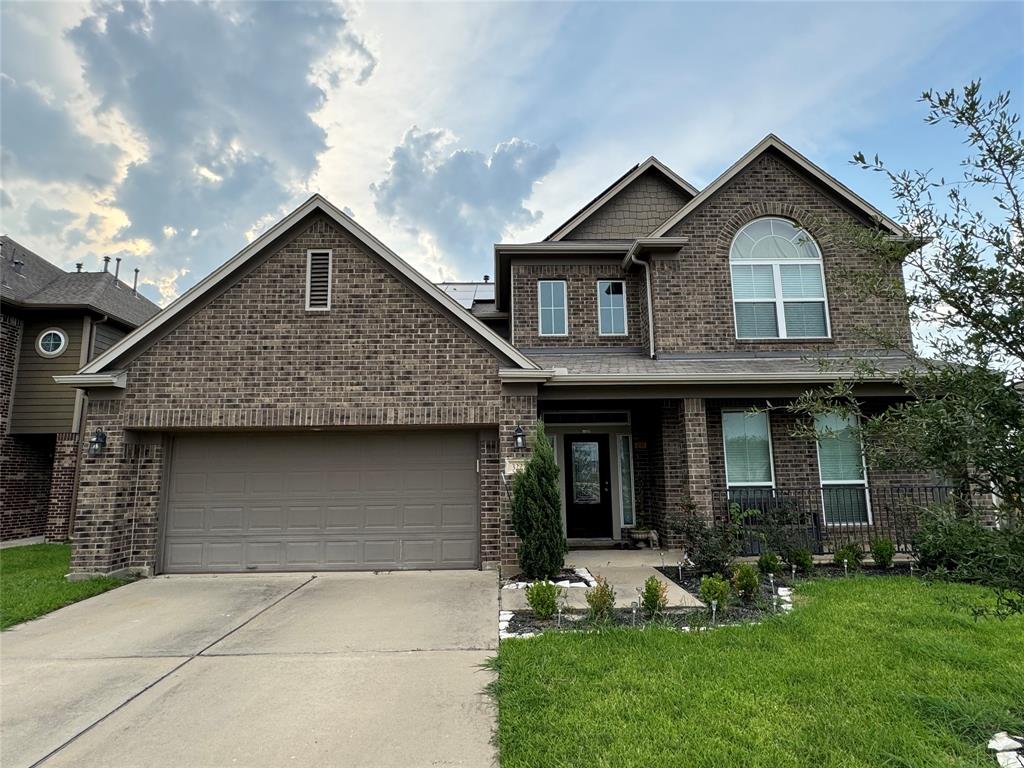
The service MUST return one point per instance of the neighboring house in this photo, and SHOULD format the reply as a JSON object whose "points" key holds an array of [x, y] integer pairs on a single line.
{"points": [[315, 403], [54, 322]]}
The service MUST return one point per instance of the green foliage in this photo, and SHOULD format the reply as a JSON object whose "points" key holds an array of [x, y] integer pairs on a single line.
{"points": [[654, 597], [802, 559], [882, 552], [769, 562], [542, 597], [601, 601], [745, 582], [33, 583], [958, 546], [850, 553], [712, 548], [715, 588], [537, 512]]}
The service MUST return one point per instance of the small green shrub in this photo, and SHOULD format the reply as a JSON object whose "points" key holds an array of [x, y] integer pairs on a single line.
{"points": [[769, 562], [601, 601], [712, 548], [802, 559], [882, 552], [715, 588], [654, 597], [851, 553], [745, 582], [542, 597]]}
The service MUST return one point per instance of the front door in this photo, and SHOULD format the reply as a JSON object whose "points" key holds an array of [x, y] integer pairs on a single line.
{"points": [[588, 490]]}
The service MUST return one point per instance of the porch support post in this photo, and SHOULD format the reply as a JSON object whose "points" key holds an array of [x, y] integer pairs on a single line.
{"points": [[518, 408], [698, 467]]}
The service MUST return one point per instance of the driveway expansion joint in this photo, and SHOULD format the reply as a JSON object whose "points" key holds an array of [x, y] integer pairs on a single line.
{"points": [[167, 674]]}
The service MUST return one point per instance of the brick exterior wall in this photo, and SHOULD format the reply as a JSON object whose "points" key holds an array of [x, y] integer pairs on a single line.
{"points": [[62, 486], [25, 460], [636, 211], [518, 408], [254, 358], [693, 294], [581, 291]]}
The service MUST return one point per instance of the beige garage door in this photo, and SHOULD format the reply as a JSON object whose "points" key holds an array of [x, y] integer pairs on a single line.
{"points": [[322, 501]]}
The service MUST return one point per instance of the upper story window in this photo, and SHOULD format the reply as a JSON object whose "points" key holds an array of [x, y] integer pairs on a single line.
{"points": [[52, 342], [552, 308], [611, 307], [778, 287], [318, 280]]}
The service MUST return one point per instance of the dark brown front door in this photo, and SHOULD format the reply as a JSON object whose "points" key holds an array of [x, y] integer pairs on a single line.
{"points": [[588, 491]]}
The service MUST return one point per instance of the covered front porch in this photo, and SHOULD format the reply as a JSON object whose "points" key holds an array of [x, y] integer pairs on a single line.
{"points": [[649, 463]]}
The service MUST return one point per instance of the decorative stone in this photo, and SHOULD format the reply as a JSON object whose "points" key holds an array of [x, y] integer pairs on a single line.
{"points": [[1010, 759], [562, 583], [1004, 742]]}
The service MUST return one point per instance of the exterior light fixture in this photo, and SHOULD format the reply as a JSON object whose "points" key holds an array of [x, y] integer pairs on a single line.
{"points": [[97, 443], [518, 438]]}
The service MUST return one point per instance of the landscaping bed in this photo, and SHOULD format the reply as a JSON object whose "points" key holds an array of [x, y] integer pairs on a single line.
{"points": [[33, 582], [809, 690]]}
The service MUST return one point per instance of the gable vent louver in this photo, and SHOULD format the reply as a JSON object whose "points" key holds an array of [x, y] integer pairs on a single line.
{"points": [[318, 280]]}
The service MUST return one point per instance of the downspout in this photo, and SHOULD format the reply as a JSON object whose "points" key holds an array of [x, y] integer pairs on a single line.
{"points": [[650, 302]]}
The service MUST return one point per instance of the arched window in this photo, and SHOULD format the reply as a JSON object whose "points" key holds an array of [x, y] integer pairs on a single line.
{"points": [[778, 287]]}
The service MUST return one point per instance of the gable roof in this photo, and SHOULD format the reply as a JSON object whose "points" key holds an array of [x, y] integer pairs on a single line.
{"points": [[230, 267], [771, 141], [38, 284], [617, 186]]}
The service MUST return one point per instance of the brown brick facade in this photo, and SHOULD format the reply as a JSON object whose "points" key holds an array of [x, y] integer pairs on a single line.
{"points": [[581, 291], [518, 408], [693, 293], [62, 486]]}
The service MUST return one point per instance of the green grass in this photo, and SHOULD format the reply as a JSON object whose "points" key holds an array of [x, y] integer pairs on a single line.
{"points": [[866, 672], [32, 582]]}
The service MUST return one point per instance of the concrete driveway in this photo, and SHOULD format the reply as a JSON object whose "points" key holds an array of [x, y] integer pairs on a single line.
{"points": [[257, 670]]}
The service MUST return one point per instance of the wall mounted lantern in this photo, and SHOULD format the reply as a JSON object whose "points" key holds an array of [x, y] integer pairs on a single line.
{"points": [[97, 443], [518, 438]]}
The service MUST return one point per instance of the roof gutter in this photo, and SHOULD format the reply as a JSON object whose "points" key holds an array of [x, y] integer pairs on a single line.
{"points": [[561, 377]]}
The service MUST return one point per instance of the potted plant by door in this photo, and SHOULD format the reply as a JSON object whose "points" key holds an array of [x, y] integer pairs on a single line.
{"points": [[640, 536]]}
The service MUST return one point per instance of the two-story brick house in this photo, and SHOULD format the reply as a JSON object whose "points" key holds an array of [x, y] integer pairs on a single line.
{"points": [[53, 323], [315, 403]]}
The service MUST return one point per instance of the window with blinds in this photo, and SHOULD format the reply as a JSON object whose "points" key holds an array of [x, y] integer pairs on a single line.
{"points": [[318, 280], [841, 468], [748, 449], [778, 287]]}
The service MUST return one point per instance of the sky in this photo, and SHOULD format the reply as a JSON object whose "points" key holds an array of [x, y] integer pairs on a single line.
{"points": [[171, 134]]}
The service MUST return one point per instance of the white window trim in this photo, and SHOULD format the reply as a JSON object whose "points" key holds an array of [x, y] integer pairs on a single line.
{"points": [[863, 483], [632, 484], [565, 309], [779, 301], [771, 453], [625, 311], [63, 347], [330, 277]]}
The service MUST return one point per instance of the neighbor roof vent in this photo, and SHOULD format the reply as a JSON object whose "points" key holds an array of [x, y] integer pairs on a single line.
{"points": [[318, 280]]}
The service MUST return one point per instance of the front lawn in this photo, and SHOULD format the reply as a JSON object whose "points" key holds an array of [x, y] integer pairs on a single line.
{"points": [[865, 672], [32, 582]]}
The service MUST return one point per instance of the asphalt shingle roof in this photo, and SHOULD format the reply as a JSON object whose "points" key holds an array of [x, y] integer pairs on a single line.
{"points": [[38, 283]]}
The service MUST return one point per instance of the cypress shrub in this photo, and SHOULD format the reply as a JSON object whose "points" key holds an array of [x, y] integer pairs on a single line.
{"points": [[537, 512]]}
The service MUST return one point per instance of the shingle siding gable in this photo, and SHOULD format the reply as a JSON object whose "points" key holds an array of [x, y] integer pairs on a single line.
{"points": [[634, 212]]}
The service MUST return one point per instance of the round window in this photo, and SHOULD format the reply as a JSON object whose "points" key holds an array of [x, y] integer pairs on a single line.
{"points": [[52, 342]]}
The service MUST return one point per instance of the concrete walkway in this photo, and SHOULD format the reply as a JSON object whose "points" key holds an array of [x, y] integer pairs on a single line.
{"points": [[625, 569], [360, 670]]}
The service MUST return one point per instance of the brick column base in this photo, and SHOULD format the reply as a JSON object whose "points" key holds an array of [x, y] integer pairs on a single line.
{"points": [[62, 486]]}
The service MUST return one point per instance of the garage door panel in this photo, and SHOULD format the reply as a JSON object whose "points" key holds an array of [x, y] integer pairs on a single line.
{"points": [[322, 501]]}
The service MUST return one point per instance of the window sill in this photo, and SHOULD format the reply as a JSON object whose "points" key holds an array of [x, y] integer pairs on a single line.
{"points": [[787, 340]]}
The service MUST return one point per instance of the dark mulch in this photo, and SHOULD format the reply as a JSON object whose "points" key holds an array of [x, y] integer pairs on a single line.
{"points": [[564, 575]]}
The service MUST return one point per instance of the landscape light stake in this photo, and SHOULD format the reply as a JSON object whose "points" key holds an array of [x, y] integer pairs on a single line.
{"points": [[663, 558], [771, 580], [846, 567], [911, 570], [714, 612], [679, 567], [792, 568], [559, 616], [634, 607]]}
